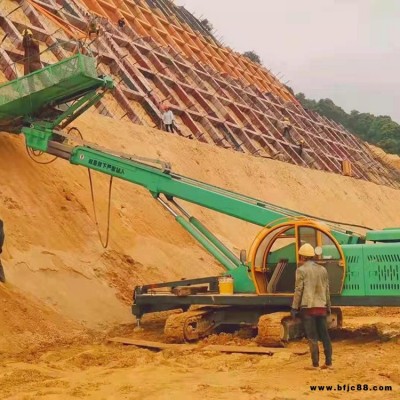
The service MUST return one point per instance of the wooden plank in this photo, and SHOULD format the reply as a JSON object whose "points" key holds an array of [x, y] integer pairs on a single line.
{"points": [[153, 345], [223, 349]]}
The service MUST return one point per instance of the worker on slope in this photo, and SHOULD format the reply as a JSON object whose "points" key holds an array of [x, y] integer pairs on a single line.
{"points": [[168, 120], [32, 53], [300, 149], [2, 276], [93, 29], [121, 23], [312, 298], [286, 127]]}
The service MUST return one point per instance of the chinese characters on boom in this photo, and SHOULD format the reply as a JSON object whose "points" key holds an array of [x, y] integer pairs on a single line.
{"points": [[107, 167]]}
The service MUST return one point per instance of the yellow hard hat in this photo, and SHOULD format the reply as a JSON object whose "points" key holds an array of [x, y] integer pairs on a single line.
{"points": [[307, 250], [27, 32]]}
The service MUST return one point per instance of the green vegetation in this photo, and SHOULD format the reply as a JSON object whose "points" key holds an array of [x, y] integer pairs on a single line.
{"points": [[207, 25], [253, 56], [379, 130]]}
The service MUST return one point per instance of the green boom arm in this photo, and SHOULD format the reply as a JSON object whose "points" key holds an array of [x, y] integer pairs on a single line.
{"points": [[177, 186], [172, 185]]}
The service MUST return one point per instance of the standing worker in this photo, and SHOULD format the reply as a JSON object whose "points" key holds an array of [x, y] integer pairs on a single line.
{"points": [[168, 120], [312, 298], [2, 276], [32, 53]]}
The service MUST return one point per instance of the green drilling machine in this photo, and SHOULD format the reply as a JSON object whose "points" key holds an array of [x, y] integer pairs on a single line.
{"points": [[363, 269]]}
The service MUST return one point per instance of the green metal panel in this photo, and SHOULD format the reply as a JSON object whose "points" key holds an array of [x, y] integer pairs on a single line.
{"points": [[354, 282], [26, 96], [372, 270], [37, 139], [382, 269], [385, 235], [242, 283]]}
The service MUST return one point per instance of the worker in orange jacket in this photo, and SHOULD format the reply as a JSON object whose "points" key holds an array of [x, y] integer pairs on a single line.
{"points": [[32, 53]]}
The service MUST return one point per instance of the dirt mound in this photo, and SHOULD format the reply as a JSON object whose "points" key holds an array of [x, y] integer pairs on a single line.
{"points": [[28, 325]]}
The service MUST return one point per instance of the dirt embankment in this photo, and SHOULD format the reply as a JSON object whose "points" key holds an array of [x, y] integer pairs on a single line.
{"points": [[28, 324]]}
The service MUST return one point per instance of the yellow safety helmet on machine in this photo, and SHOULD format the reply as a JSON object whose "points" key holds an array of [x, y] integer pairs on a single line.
{"points": [[27, 32], [306, 250]]}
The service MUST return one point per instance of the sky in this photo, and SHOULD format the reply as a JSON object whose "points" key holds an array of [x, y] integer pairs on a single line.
{"points": [[345, 50]]}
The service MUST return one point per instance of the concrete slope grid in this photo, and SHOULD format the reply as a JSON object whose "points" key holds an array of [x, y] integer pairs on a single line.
{"points": [[163, 56]]}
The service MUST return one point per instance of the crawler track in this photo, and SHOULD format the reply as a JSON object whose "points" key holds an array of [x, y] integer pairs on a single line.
{"points": [[271, 332], [187, 326]]}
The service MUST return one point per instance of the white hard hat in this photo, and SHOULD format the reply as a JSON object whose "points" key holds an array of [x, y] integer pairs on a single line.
{"points": [[307, 250]]}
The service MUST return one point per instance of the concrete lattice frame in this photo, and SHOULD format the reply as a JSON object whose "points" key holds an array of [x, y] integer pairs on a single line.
{"points": [[217, 96]]}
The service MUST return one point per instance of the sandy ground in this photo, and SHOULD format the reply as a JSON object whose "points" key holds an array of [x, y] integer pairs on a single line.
{"points": [[65, 292], [111, 371]]}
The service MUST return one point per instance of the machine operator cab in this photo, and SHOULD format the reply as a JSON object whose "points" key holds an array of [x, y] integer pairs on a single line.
{"points": [[274, 256]]}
